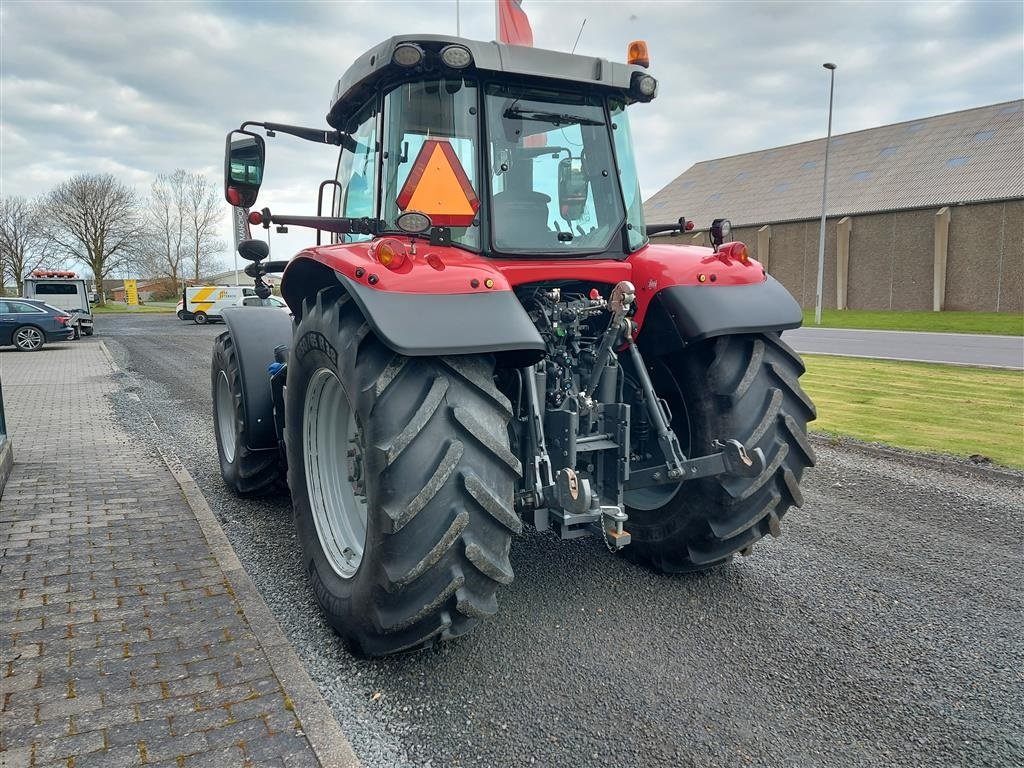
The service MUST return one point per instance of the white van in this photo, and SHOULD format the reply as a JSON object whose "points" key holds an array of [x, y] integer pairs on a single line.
{"points": [[64, 290], [202, 303]]}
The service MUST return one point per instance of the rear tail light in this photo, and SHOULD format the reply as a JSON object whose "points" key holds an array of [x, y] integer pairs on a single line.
{"points": [[391, 253], [63, 319]]}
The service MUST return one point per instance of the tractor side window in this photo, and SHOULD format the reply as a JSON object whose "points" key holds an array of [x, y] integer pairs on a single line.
{"points": [[430, 165], [357, 171], [628, 179]]}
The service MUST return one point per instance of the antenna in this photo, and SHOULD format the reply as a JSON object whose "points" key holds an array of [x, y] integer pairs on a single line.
{"points": [[458, 20], [578, 35]]}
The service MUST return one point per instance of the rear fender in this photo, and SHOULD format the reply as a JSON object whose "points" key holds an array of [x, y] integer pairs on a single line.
{"points": [[683, 314], [256, 331], [429, 323]]}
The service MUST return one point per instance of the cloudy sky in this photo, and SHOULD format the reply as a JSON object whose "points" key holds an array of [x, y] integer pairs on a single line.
{"points": [[140, 88]]}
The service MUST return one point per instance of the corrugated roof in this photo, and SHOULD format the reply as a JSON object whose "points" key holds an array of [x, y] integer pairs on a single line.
{"points": [[960, 157]]}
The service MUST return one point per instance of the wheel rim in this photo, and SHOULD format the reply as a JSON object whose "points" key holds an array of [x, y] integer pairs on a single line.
{"points": [[335, 480], [666, 387], [28, 338], [226, 417]]}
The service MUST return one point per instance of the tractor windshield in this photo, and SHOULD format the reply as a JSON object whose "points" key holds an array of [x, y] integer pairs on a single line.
{"points": [[554, 184]]}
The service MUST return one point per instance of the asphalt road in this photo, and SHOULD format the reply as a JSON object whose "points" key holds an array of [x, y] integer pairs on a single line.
{"points": [[882, 629], [954, 348]]}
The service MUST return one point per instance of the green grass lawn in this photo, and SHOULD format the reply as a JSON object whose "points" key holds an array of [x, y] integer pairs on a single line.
{"points": [[920, 406], [113, 308], [1002, 323]]}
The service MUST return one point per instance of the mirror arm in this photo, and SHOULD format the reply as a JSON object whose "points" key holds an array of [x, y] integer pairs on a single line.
{"points": [[338, 224], [677, 226], [337, 138]]}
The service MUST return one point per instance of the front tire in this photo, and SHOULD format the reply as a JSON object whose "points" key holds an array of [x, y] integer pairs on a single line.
{"points": [[246, 472], [402, 482], [743, 387], [28, 338]]}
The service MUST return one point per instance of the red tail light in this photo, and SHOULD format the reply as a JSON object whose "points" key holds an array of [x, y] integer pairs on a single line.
{"points": [[63, 319]]}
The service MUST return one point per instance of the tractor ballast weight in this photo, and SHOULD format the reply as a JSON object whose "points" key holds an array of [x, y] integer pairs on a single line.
{"points": [[490, 338]]}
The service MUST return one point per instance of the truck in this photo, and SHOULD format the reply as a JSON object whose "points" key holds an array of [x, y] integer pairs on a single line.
{"points": [[488, 336], [64, 290]]}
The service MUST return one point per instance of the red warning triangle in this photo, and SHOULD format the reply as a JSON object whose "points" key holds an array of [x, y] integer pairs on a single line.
{"points": [[439, 187]]}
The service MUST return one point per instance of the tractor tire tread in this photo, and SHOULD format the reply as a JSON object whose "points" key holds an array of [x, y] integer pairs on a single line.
{"points": [[755, 397], [429, 423]]}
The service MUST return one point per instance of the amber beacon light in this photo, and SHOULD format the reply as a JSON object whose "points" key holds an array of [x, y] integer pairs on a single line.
{"points": [[637, 54]]}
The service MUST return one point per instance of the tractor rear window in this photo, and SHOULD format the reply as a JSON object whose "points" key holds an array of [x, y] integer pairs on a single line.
{"points": [[553, 178], [56, 289]]}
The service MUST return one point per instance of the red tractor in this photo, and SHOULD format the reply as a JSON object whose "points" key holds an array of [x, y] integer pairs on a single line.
{"points": [[490, 339]]}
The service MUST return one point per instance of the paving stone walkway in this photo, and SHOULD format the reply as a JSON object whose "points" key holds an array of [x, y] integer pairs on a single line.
{"points": [[121, 640]]}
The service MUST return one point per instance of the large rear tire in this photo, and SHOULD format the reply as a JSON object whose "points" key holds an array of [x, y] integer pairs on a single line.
{"points": [[743, 387], [246, 472], [402, 482]]}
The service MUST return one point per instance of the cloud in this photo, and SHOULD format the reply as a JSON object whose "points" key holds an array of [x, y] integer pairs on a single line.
{"points": [[143, 88]]}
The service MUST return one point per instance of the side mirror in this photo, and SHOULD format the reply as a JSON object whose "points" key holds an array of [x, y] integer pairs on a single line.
{"points": [[573, 188], [244, 155]]}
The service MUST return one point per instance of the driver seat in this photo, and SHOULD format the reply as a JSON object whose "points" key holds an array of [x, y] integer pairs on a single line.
{"points": [[521, 217]]}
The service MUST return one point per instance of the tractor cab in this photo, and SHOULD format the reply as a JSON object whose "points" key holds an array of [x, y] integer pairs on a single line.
{"points": [[499, 150]]}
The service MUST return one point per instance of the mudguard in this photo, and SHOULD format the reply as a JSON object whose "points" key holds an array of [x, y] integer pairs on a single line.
{"points": [[682, 314], [256, 331], [420, 325]]}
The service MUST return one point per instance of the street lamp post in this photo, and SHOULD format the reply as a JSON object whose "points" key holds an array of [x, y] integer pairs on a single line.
{"points": [[824, 197]]}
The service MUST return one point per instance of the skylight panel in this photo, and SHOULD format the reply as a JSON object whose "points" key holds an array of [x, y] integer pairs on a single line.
{"points": [[743, 175], [984, 135], [956, 162], [810, 165], [861, 176], [889, 151]]}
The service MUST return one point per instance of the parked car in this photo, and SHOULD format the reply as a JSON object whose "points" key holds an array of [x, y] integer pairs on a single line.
{"points": [[28, 324]]}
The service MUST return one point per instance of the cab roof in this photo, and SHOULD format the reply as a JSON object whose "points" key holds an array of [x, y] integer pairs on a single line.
{"points": [[375, 67]]}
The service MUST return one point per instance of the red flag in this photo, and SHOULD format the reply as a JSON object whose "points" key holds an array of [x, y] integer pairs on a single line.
{"points": [[513, 24]]}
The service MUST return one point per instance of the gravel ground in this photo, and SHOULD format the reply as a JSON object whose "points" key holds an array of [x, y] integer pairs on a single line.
{"points": [[883, 628]]}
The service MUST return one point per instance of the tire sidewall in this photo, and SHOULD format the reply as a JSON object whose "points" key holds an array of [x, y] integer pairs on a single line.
{"points": [[345, 601], [223, 363], [200, 318]]}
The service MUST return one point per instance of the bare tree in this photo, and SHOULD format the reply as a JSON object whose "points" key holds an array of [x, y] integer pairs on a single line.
{"points": [[94, 219], [24, 245], [167, 228], [204, 211]]}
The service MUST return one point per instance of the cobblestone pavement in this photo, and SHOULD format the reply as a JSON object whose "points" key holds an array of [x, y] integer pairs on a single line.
{"points": [[121, 639]]}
